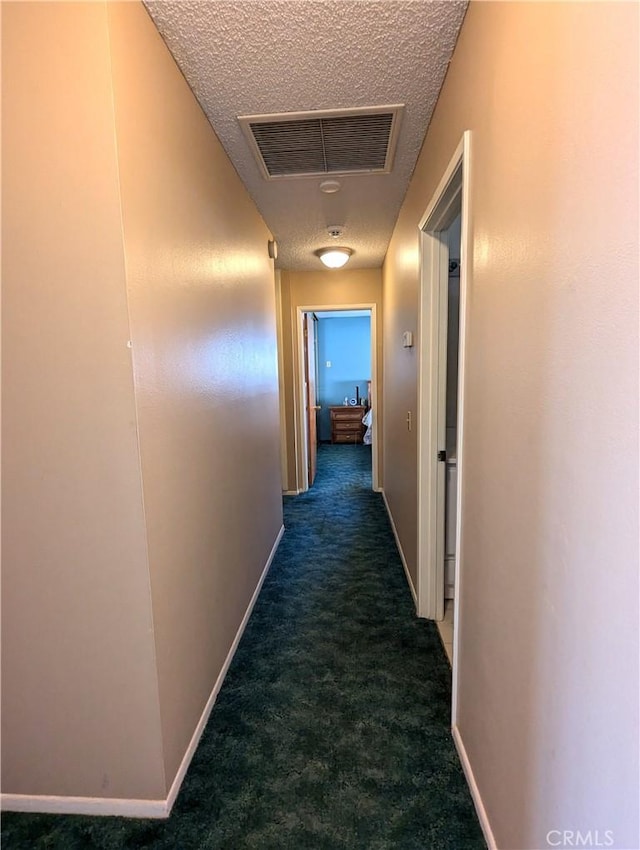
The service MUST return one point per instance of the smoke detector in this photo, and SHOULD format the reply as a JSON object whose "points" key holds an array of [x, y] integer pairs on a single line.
{"points": [[335, 231], [330, 187]]}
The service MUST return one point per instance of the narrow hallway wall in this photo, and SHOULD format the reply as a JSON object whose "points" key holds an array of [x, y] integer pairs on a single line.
{"points": [[79, 690], [141, 452], [548, 698], [202, 305]]}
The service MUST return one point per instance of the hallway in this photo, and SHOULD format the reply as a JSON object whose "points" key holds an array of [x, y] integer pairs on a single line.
{"points": [[332, 727]]}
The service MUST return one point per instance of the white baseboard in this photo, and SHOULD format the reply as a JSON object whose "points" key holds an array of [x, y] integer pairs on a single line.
{"points": [[52, 805], [291, 492], [195, 739], [140, 808], [473, 787], [399, 545]]}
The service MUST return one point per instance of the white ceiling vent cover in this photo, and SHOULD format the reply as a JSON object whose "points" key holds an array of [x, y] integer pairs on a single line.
{"points": [[336, 141]]}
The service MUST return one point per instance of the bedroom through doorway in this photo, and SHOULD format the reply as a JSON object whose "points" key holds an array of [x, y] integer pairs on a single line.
{"points": [[338, 380]]}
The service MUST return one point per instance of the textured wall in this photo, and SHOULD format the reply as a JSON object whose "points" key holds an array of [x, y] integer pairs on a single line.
{"points": [[124, 224], [202, 306], [548, 699], [338, 288], [79, 690]]}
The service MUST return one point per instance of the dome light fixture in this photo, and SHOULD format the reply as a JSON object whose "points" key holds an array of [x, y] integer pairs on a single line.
{"points": [[334, 258]]}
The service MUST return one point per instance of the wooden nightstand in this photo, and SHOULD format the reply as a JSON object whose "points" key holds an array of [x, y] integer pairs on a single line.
{"points": [[346, 424]]}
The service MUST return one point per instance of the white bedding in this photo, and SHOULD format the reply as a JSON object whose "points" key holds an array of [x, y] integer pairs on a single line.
{"points": [[367, 420]]}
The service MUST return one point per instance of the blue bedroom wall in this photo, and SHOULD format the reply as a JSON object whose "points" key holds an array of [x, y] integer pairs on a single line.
{"points": [[346, 344]]}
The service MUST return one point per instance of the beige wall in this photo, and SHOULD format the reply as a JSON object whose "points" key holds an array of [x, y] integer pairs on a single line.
{"points": [[337, 288], [141, 485], [202, 306], [79, 690], [548, 662]]}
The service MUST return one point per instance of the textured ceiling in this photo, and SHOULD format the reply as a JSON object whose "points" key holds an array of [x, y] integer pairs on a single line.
{"points": [[270, 56]]}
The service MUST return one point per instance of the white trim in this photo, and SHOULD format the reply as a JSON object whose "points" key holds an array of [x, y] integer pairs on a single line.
{"points": [[302, 478], [195, 739], [433, 278], [473, 787], [54, 805], [284, 468], [466, 252], [299, 394], [291, 492], [453, 192], [141, 808], [399, 545]]}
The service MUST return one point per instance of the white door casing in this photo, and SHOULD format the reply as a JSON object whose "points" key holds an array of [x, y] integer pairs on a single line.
{"points": [[451, 197], [301, 440]]}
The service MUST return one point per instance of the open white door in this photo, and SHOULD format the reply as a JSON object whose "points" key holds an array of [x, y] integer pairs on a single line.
{"points": [[432, 434], [450, 199]]}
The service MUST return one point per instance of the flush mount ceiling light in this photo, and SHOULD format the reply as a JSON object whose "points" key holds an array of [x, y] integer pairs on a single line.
{"points": [[334, 258]]}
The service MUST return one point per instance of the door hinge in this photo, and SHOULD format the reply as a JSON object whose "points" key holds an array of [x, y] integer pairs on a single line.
{"points": [[442, 455]]}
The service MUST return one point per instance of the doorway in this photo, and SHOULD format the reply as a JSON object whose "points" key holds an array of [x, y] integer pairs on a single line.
{"points": [[310, 358], [340, 374], [446, 625], [444, 227]]}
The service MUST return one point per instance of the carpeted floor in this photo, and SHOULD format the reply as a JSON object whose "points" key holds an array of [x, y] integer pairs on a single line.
{"points": [[332, 727]]}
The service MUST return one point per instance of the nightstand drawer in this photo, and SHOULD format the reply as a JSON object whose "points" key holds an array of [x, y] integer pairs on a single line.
{"points": [[347, 437], [346, 424], [347, 414]]}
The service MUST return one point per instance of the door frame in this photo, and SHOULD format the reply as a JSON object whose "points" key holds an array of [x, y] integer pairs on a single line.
{"points": [[452, 193], [299, 394], [309, 365]]}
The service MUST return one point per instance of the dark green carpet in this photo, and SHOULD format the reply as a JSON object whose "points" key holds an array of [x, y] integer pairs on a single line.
{"points": [[332, 727]]}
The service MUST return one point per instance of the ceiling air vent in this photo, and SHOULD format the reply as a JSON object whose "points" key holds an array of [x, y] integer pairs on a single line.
{"points": [[336, 141]]}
